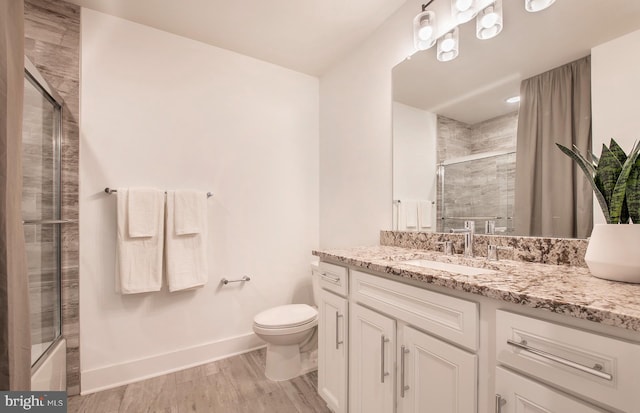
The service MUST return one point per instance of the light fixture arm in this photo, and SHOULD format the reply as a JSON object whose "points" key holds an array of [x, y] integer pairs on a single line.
{"points": [[424, 6]]}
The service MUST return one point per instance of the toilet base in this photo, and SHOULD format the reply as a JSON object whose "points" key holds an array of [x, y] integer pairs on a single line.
{"points": [[283, 362]]}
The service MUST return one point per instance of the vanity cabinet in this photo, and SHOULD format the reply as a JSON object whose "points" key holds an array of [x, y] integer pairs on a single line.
{"points": [[589, 366], [518, 394], [435, 376], [393, 363], [333, 340], [371, 361]]}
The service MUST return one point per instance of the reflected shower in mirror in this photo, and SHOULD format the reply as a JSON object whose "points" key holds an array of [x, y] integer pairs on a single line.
{"points": [[455, 134]]}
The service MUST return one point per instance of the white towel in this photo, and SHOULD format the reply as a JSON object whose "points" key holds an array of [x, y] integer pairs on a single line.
{"points": [[424, 214], [190, 211], [138, 260], [411, 214], [186, 255], [143, 210]]}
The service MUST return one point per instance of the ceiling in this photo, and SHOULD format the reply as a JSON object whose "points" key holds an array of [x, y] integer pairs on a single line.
{"points": [[304, 35], [474, 86]]}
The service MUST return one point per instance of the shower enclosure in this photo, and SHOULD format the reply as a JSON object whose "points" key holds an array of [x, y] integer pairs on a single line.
{"points": [[41, 205], [479, 188]]}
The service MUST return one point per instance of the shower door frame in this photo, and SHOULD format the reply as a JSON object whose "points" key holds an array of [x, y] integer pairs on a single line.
{"points": [[32, 74]]}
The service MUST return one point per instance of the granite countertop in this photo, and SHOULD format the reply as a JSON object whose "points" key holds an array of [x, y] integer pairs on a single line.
{"points": [[562, 289]]}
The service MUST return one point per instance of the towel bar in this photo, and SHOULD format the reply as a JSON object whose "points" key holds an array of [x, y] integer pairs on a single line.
{"points": [[224, 281], [113, 191]]}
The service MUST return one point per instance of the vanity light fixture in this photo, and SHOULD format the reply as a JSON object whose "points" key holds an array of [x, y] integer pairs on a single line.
{"points": [[463, 10], [489, 21], [424, 28], [537, 5], [448, 46], [513, 99]]}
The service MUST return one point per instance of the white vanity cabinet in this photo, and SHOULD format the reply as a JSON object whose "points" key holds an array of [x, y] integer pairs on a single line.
{"points": [[371, 361], [394, 363], [518, 394], [577, 366], [434, 376], [333, 340]]}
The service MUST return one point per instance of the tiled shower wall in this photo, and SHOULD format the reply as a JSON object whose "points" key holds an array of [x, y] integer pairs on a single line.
{"points": [[52, 43], [489, 180]]}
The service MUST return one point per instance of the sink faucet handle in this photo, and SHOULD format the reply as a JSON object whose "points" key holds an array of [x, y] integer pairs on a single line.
{"points": [[447, 247], [490, 227], [492, 251]]}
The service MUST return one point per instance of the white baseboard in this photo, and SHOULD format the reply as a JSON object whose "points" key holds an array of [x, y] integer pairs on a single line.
{"points": [[115, 375]]}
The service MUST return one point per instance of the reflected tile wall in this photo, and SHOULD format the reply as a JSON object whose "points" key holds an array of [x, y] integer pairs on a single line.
{"points": [[52, 43], [478, 188]]}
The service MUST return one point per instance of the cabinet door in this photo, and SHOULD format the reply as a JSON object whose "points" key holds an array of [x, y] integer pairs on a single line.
{"points": [[517, 394], [371, 361], [333, 351], [437, 376]]}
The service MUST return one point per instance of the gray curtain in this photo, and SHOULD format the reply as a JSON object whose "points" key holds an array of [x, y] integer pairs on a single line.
{"points": [[552, 196], [15, 339]]}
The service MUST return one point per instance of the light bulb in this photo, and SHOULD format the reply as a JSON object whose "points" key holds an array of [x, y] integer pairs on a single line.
{"points": [[447, 44], [425, 31], [537, 5], [489, 19], [463, 5]]}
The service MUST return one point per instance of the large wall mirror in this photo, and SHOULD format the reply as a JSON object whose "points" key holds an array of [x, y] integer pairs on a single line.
{"points": [[455, 133]]}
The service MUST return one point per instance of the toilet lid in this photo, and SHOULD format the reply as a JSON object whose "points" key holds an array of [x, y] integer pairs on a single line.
{"points": [[286, 316]]}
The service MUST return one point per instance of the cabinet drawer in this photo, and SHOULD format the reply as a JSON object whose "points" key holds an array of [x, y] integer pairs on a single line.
{"points": [[451, 318], [599, 368], [516, 393], [333, 278]]}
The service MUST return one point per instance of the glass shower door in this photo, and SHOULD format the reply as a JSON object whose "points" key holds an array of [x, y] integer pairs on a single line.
{"points": [[41, 213]]}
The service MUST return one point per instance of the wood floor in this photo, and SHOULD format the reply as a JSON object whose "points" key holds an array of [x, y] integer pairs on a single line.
{"points": [[233, 385]]}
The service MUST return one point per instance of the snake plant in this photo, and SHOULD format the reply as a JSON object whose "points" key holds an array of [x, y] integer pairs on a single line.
{"points": [[615, 178]]}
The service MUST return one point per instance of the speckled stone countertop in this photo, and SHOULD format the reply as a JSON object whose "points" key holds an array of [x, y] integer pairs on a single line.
{"points": [[561, 289]]}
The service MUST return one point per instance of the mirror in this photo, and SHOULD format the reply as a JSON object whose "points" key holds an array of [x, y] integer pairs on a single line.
{"points": [[454, 135]]}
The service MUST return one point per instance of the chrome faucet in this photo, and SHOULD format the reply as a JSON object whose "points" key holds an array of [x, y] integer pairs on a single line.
{"points": [[468, 231]]}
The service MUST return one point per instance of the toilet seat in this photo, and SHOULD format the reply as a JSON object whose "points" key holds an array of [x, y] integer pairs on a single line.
{"points": [[286, 316]]}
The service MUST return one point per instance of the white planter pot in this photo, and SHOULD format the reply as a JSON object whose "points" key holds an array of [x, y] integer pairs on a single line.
{"points": [[613, 252]]}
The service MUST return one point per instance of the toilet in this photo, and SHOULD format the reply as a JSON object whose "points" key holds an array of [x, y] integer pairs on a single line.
{"points": [[285, 328]]}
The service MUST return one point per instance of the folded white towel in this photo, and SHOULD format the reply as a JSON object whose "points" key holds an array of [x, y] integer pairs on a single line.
{"points": [[139, 259], [186, 255], [190, 211], [411, 214], [424, 214], [143, 209]]}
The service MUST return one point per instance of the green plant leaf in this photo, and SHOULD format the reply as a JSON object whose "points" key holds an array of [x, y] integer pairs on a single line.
{"points": [[618, 151], [633, 192], [606, 177], [589, 173], [618, 195], [590, 165]]}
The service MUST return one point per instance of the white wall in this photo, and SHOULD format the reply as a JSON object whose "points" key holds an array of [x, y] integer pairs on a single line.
{"points": [[415, 132], [615, 88], [164, 111], [355, 131]]}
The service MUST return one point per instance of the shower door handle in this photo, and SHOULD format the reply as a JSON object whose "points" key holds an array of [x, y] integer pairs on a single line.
{"points": [[48, 221]]}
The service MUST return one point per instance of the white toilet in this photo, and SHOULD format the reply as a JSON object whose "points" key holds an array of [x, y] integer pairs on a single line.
{"points": [[284, 328]]}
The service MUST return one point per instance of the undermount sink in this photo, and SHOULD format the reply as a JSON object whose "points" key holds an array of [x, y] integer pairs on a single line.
{"points": [[448, 267]]}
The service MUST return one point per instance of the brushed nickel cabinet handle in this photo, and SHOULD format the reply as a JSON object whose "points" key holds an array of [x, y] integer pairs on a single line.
{"points": [[595, 370], [338, 342], [383, 373], [403, 387], [498, 403]]}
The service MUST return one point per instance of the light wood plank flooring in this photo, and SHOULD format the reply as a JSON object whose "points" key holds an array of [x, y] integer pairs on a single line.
{"points": [[233, 385]]}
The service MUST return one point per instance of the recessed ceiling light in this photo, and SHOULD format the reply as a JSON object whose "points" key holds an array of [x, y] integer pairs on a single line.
{"points": [[513, 99]]}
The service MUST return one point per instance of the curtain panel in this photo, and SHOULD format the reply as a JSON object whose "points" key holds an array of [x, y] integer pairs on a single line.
{"points": [[552, 196]]}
